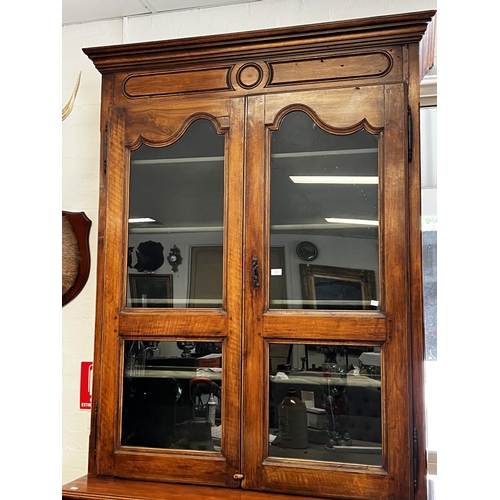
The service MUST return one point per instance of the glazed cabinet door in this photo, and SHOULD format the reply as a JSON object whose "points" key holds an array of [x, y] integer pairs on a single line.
{"points": [[326, 365], [168, 353], [257, 334]]}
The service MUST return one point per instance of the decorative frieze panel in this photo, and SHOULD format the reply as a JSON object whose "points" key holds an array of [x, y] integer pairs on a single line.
{"points": [[248, 77]]}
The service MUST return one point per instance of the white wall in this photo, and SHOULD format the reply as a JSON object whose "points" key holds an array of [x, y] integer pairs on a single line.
{"points": [[80, 148]]}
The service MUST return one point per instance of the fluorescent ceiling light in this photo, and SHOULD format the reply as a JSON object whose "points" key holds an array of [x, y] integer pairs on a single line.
{"points": [[356, 222], [334, 179], [136, 220]]}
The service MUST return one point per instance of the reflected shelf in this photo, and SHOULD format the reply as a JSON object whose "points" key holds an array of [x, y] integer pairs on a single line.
{"points": [[297, 154], [274, 227]]}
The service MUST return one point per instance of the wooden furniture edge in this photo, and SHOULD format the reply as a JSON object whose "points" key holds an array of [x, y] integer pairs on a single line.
{"points": [[108, 488]]}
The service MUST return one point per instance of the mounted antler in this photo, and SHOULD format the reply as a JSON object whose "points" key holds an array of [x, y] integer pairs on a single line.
{"points": [[67, 109]]}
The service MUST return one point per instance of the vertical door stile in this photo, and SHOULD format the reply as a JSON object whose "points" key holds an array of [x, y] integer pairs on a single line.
{"points": [[111, 292], [233, 287], [253, 437], [397, 363]]}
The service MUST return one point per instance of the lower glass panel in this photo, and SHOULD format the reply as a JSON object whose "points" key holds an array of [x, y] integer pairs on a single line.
{"points": [[172, 395], [325, 403]]}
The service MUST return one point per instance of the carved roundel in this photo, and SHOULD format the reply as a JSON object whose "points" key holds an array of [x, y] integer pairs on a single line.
{"points": [[249, 76]]}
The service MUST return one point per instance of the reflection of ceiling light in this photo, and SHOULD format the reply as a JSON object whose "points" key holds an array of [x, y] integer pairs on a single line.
{"points": [[334, 179], [357, 222], [136, 220]]}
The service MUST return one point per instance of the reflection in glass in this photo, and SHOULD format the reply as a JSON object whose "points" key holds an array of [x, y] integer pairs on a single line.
{"points": [[325, 403], [151, 290], [172, 395], [328, 287], [176, 205], [324, 208], [429, 265]]}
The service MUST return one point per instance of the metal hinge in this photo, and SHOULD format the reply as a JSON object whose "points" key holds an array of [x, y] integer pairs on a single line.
{"points": [[415, 459], [96, 412], [105, 149], [410, 135]]}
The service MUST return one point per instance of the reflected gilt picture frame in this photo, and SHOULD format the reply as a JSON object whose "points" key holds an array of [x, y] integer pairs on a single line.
{"points": [[151, 290], [337, 288]]}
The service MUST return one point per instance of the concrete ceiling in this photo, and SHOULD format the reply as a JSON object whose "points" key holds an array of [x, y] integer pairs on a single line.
{"points": [[83, 11]]}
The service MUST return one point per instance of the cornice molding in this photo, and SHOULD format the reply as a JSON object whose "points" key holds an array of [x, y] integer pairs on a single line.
{"points": [[232, 47]]}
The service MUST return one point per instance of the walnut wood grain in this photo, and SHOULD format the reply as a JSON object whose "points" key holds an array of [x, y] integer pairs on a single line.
{"points": [[369, 65], [102, 488], [178, 82], [340, 112], [158, 126]]}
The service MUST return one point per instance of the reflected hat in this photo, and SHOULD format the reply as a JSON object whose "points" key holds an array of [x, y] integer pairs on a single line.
{"points": [[149, 256]]}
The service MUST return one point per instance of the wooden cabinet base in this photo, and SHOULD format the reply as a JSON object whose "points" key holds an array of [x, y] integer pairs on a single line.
{"points": [[99, 488]]}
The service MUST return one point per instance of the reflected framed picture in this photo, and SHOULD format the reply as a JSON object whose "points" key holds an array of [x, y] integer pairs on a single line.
{"points": [[337, 288], [151, 290]]}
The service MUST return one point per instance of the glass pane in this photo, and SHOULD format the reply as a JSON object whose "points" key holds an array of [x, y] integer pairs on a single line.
{"points": [[325, 403], [172, 395], [175, 209], [324, 214]]}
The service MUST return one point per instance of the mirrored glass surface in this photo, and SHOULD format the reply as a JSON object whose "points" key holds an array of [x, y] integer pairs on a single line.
{"points": [[172, 395], [324, 217], [325, 403], [175, 221]]}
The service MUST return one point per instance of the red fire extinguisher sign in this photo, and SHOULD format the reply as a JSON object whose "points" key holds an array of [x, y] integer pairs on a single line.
{"points": [[86, 385]]}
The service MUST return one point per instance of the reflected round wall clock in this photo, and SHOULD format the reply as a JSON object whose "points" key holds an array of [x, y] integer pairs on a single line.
{"points": [[307, 250]]}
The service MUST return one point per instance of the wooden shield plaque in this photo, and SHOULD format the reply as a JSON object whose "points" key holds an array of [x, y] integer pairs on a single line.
{"points": [[75, 254]]}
